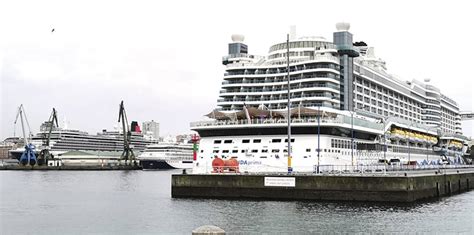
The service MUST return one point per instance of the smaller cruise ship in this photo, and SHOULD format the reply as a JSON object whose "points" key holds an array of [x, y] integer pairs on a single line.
{"points": [[167, 156], [64, 139]]}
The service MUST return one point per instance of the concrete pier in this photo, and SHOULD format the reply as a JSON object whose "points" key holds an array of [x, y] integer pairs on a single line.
{"points": [[72, 167], [400, 187]]}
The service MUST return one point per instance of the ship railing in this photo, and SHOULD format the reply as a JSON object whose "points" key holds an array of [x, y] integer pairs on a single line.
{"points": [[262, 121]]}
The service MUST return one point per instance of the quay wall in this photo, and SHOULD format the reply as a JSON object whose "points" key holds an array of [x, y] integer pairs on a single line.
{"points": [[382, 188], [71, 168]]}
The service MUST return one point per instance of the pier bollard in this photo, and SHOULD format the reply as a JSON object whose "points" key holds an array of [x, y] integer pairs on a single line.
{"points": [[208, 229]]}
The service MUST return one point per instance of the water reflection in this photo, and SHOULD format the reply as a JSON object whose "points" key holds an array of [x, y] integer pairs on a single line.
{"points": [[125, 202]]}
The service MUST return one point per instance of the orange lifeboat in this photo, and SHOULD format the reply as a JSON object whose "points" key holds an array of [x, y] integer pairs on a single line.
{"points": [[217, 165], [232, 165], [220, 166]]}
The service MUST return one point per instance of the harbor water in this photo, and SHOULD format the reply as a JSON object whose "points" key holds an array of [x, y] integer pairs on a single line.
{"points": [[139, 202]]}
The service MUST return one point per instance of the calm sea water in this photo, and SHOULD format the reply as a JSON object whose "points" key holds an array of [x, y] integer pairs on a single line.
{"points": [[139, 202]]}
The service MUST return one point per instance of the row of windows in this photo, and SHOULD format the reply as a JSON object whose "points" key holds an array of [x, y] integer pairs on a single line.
{"points": [[337, 143], [293, 68], [272, 151], [385, 91], [410, 116], [292, 53], [246, 141], [314, 44]]}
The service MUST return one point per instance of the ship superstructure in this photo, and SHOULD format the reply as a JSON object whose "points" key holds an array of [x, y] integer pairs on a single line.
{"points": [[342, 100]]}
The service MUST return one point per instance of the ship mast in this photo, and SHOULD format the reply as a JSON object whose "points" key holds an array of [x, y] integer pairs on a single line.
{"points": [[290, 169]]}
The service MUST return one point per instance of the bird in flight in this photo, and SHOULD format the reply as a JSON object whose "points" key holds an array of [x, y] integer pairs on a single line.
{"points": [[52, 30]]}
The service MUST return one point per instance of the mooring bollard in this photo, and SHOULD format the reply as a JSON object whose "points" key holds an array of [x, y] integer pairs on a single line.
{"points": [[208, 229]]}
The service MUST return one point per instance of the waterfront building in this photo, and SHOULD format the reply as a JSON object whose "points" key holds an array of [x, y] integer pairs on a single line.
{"points": [[152, 128]]}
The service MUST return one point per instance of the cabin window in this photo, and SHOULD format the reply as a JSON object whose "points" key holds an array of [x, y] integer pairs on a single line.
{"points": [[276, 140], [257, 140], [245, 141], [308, 150], [254, 150], [264, 150], [227, 141], [225, 151], [292, 140], [217, 141], [235, 151], [202, 151], [243, 151], [215, 151], [275, 150]]}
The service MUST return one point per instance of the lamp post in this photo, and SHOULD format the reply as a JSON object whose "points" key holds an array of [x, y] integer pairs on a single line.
{"points": [[384, 120], [428, 144], [290, 169], [319, 124], [408, 142], [352, 138]]}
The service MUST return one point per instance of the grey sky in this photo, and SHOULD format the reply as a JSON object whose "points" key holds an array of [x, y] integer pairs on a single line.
{"points": [[164, 58]]}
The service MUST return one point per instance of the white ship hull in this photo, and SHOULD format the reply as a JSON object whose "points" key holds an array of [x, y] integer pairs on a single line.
{"points": [[269, 156], [167, 156]]}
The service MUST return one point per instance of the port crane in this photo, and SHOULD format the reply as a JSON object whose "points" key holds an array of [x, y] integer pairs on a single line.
{"points": [[127, 153], [45, 155], [28, 157]]}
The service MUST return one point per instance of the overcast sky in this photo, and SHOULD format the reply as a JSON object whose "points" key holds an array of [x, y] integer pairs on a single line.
{"points": [[163, 58]]}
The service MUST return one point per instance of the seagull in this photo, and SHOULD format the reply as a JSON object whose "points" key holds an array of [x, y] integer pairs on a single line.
{"points": [[52, 30]]}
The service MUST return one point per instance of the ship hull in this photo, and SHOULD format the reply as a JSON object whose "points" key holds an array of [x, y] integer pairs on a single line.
{"points": [[165, 164]]}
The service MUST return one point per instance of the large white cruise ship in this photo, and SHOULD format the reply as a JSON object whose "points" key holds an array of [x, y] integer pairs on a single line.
{"points": [[343, 102], [65, 139]]}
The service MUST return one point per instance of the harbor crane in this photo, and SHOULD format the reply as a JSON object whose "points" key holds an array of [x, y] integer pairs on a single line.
{"points": [[28, 157], [127, 154], [45, 155]]}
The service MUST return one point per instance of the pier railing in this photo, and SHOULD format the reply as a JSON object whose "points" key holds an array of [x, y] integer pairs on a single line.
{"points": [[333, 169], [371, 169]]}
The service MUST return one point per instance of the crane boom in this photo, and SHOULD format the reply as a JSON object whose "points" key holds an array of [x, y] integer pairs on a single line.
{"points": [[28, 156], [127, 154], [45, 155], [19, 114]]}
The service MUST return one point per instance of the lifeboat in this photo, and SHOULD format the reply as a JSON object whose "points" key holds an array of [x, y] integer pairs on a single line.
{"points": [[217, 165], [225, 166]]}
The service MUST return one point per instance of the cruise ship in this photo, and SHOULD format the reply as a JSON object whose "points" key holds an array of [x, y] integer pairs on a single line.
{"points": [[65, 139], [167, 156], [345, 110]]}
